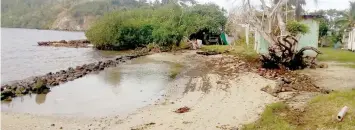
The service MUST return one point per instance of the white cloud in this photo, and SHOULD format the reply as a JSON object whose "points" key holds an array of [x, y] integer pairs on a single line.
{"points": [[328, 4]]}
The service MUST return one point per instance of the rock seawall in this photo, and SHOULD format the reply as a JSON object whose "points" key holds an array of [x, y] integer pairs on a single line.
{"points": [[64, 43], [42, 84]]}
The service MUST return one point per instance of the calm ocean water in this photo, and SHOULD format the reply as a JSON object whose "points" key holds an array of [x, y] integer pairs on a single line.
{"points": [[117, 90], [22, 58]]}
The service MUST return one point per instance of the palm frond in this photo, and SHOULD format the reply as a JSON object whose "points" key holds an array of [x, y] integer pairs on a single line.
{"points": [[352, 10], [342, 21]]}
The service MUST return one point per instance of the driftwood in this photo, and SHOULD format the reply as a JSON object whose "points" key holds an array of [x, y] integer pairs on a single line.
{"points": [[284, 53], [207, 53], [182, 110]]}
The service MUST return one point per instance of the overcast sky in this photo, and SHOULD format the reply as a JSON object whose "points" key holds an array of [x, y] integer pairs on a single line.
{"points": [[322, 4]]}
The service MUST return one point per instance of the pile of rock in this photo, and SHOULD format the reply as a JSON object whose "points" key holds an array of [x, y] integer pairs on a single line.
{"points": [[63, 43], [42, 84]]}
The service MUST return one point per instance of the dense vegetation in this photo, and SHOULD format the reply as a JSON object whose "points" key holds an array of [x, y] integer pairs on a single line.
{"points": [[163, 24], [295, 28], [43, 13], [334, 24], [27, 13]]}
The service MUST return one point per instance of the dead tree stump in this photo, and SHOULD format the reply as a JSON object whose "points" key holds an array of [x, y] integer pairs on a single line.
{"points": [[284, 53]]}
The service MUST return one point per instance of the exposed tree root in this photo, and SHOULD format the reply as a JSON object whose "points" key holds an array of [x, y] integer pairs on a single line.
{"points": [[284, 53]]}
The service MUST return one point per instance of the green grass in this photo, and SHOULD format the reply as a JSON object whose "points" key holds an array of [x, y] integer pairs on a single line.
{"points": [[322, 110], [320, 113], [217, 48], [350, 65], [239, 50], [330, 54], [270, 119], [175, 70]]}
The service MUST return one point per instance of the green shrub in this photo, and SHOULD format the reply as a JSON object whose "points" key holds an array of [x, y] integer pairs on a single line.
{"points": [[164, 25], [295, 28], [175, 69]]}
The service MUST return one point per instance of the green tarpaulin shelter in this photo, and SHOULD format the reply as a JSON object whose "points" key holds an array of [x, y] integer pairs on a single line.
{"points": [[224, 38]]}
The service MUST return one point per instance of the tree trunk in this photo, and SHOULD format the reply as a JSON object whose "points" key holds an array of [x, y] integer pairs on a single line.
{"points": [[281, 23]]}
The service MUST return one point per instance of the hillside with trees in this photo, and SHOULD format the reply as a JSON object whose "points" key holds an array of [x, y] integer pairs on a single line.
{"points": [[59, 14]]}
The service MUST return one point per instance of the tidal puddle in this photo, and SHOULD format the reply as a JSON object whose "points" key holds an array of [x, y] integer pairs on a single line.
{"points": [[118, 90]]}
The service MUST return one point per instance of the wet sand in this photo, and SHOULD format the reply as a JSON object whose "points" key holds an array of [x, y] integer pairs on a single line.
{"points": [[215, 102], [225, 105], [231, 104], [115, 90]]}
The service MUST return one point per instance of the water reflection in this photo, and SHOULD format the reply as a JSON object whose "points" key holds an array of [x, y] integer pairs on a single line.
{"points": [[40, 98], [112, 76], [116, 90]]}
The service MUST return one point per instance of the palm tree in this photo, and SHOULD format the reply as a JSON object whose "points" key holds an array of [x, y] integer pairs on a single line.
{"points": [[347, 22], [298, 4]]}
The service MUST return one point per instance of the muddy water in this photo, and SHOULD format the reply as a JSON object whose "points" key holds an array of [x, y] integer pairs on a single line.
{"points": [[118, 90]]}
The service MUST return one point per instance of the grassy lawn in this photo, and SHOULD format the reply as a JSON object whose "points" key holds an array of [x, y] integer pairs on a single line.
{"points": [[271, 119], [320, 113], [240, 50], [330, 54]]}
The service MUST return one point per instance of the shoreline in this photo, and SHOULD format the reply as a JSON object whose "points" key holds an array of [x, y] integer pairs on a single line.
{"points": [[41, 84], [62, 30], [215, 101], [222, 92]]}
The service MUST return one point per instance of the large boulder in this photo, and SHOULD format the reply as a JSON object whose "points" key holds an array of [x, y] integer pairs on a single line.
{"points": [[62, 41], [63, 72], [91, 66], [21, 90], [78, 68], [7, 93], [118, 58], [40, 87]]}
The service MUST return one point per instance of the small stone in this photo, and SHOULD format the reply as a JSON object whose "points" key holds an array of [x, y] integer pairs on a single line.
{"points": [[323, 65], [61, 128], [52, 124], [313, 66]]}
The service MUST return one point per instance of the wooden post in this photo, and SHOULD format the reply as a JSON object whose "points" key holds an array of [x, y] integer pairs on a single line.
{"points": [[351, 37], [247, 34], [256, 41]]}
